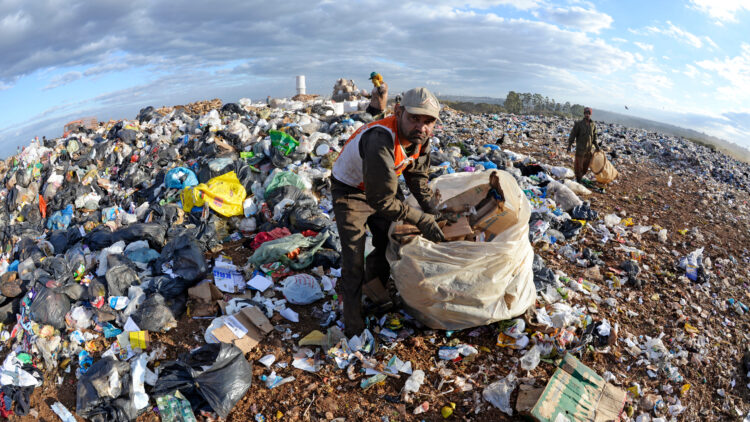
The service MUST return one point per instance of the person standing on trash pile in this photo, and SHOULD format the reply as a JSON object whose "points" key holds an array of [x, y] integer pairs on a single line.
{"points": [[365, 191], [378, 96], [584, 135]]}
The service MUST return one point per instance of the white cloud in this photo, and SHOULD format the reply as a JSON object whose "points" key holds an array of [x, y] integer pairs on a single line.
{"points": [[63, 79], [711, 42], [736, 71], [644, 46], [486, 4], [691, 72], [172, 42], [616, 39], [678, 33], [721, 10], [587, 20]]}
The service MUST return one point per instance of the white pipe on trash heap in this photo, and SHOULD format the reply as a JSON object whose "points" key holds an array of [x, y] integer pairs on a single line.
{"points": [[301, 84]]}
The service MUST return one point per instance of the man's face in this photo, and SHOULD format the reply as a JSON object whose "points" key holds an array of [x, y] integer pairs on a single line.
{"points": [[416, 128], [587, 114]]}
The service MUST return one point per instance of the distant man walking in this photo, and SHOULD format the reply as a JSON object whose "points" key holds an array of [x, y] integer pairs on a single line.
{"points": [[584, 135], [378, 96]]}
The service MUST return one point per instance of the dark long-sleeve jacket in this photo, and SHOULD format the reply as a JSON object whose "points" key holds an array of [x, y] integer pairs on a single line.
{"points": [[381, 182], [584, 135]]}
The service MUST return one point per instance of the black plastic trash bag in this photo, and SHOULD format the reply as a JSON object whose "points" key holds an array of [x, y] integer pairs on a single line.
{"points": [[152, 232], [543, 276], [50, 307], [185, 257], [155, 315], [57, 267], [215, 375], [100, 399], [100, 238], [59, 240], [584, 212], [232, 108], [308, 218], [167, 286], [285, 192], [119, 279], [9, 308], [327, 258], [570, 228]]}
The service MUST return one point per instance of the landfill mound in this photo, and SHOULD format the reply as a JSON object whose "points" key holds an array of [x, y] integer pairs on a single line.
{"points": [[185, 264]]}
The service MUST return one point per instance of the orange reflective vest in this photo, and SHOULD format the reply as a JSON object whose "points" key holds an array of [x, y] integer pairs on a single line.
{"points": [[348, 166]]}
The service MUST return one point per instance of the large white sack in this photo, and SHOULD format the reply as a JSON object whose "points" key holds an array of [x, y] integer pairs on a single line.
{"points": [[563, 196], [577, 188], [457, 285]]}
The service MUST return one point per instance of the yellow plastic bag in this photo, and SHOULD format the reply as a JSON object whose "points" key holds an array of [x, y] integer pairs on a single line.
{"points": [[223, 194]]}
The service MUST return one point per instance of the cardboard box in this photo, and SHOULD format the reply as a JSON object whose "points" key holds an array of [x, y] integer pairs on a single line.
{"points": [[205, 297], [577, 393], [245, 329], [466, 200], [460, 230], [494, 218]]}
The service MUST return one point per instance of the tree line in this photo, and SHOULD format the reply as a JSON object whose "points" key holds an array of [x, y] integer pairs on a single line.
{"points": [[524, 103], [521, 103]]}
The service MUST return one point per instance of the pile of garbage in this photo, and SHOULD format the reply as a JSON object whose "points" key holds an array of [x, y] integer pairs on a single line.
{"points": [[222, 214]]}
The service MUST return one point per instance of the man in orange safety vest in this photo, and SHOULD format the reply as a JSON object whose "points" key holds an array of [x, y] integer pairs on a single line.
{"points": [[365, 192]]}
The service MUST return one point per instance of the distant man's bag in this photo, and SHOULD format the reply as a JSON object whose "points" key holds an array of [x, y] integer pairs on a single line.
{"points": [[604, 171]]}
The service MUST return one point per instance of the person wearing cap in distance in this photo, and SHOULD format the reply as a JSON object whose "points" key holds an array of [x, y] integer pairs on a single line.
{"points": [[584, 135], [365, 191], [378, 96]]}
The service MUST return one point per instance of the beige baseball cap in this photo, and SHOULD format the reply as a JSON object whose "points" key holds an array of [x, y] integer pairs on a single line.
{"points": [[421, 101]]}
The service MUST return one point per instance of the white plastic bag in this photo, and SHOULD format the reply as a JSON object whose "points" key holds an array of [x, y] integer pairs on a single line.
{"points": [[577, 188], [560, 172], [531, 359], [563, 196], [457, 285], [301, 289], [498, 393]]}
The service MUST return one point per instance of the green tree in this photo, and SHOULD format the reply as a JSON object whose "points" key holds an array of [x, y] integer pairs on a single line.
{"points": [[576, 110], [513, 103]]}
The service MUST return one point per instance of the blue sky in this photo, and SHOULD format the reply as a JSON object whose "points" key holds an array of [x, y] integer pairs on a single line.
{"points": [[680, 62]]}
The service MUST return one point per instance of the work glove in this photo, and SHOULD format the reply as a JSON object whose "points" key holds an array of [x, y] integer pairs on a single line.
{"points": [[429, 228], [444, 216]]}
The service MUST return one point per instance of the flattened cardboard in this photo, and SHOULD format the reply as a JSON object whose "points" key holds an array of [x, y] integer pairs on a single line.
{"points": [[465, 200], [580, 394], [205, 292], [253, 321], [205, 296], [458, 230], [527, 399], [496, 221]]}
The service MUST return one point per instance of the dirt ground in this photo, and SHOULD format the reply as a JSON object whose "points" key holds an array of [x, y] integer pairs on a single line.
{"points": [[640, 192]]}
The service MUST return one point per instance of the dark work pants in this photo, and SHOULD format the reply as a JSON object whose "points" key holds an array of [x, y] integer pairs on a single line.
{"points": [[582, 163], [373, 111], [352, 215]]}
